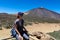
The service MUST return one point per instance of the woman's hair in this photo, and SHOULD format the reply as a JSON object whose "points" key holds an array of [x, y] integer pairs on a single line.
{"points": [[17, 16], [20, 14]]}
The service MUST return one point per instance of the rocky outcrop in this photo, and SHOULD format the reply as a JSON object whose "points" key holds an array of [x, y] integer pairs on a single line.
{"points": [[41, 36]]}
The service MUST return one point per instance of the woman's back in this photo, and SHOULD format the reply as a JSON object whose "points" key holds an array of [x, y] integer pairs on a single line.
{"points": [[19, 24]]}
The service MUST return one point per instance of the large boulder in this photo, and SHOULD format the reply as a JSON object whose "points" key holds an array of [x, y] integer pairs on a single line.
{"points": [[41, 36]]}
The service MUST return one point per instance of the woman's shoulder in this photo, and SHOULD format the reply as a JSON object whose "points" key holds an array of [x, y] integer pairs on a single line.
{"points": [[16, 20]]}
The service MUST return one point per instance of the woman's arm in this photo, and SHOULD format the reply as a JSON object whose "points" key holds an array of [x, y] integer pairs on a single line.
{"points": [[21, 38], [23, 26], [25, 29], [15, 26]]}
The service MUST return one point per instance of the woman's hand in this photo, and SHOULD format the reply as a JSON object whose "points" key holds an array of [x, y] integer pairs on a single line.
{"points": [[20, 37]]}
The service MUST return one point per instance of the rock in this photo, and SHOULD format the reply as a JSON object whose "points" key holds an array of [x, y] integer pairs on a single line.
{"points": [[41, 36]]}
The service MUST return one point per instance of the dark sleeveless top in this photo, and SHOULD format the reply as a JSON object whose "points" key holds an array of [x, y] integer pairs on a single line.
{"points": [[20, 26]]}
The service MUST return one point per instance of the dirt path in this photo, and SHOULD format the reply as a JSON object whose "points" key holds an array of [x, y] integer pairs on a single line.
{"points": [[42, 27]]}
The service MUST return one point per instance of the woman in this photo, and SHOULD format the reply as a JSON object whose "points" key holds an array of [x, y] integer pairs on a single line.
{"points": [[19, 28]]}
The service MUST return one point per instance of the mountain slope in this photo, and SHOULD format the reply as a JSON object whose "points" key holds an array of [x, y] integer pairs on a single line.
{"points": [[43, 14]]}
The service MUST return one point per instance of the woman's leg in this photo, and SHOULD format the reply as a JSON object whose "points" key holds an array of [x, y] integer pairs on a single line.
{"points": [[26, 36], [18, 37]]}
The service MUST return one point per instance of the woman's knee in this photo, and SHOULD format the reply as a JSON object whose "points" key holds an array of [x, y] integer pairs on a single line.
{"points": [[18, 37]]}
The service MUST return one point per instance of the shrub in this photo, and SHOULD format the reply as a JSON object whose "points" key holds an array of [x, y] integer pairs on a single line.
{"points": [[55, 34], [0, 28]]}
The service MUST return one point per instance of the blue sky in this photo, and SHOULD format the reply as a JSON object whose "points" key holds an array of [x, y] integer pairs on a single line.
{"points": [[14, 6]]}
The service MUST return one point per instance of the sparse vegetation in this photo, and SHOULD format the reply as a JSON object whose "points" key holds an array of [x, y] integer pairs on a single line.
{"points": [[8, 20], [55, 34], [0, 28], [39, 20]]}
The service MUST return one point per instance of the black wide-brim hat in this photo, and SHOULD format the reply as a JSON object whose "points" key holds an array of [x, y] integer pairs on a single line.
{"points": [[20, 13]]}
